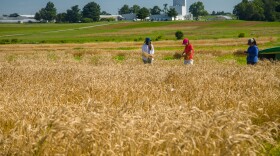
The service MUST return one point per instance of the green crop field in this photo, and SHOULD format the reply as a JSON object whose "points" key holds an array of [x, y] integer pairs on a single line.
{"points": [[133, 31]]}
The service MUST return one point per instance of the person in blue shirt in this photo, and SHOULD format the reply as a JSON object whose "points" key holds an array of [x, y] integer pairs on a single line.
{"points": [[252, 52]]}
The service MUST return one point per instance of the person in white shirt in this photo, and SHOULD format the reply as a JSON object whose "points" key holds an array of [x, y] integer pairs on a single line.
{"points": [[148, 51]]}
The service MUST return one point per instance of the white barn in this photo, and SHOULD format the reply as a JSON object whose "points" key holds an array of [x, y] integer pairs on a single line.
{"points": [[182, 9]]}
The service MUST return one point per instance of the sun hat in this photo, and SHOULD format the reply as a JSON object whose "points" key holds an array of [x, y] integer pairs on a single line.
{"points": [[185, 41], [251, 41]]}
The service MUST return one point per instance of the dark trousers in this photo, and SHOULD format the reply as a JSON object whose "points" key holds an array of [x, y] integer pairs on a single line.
{"points": [[251, 63], [149, 60]]}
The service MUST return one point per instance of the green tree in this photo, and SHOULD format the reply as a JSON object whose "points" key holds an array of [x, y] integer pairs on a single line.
{"points": [[155, 10], [270, 10], [41, 15], [61, 17], [38, 16], [104, 13], [240, 10], [134, 9], [143, 13], [257, 10], [277, 8], [74, 15], [165, 9], [14, 15], [172, 13], [124, 10], [197, 9], [48, 13], [91, 10]]}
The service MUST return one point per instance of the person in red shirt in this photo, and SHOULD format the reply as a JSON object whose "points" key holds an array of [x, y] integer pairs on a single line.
{"points": [[188, 52]]}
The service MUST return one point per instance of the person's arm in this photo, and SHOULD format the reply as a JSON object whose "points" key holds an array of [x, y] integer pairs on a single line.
{"points": [[246, 52], [184, 52], [152, 50]]}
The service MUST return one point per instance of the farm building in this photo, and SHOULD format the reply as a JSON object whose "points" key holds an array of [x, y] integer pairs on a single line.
{"points": [[220, 18], [115, 17], [19, 19], [161, 17], [181, 8], [129, 17]]}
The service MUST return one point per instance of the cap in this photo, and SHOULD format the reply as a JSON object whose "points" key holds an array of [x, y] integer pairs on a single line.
{"points": [[148, 40], [185, 41]]}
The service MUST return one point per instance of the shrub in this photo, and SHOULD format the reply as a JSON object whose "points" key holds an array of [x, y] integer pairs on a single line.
{"points": [[241, 35], [107, 19], [159, 38], [138, 39], [87, 20], [179, 35], [14, 40], [4, 41]]}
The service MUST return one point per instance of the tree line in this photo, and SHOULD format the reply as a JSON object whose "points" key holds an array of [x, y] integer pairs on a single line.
{"points": [[258, 10], [144, 12], [91, 12]]}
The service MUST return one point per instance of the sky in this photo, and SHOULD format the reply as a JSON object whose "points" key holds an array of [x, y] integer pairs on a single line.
{"points": [[30, 7]]}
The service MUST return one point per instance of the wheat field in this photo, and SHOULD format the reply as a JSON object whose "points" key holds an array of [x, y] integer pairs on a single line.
{"points": [[100, 99]]}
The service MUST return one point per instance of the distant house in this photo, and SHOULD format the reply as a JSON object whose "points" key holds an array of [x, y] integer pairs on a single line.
{"points": [[115, 17], [129, 17], [220, 18], [160, 17], [19, 19], [28, 16]]}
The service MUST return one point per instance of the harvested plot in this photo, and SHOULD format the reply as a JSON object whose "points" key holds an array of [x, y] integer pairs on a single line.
{"points": [[77, 99]]}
